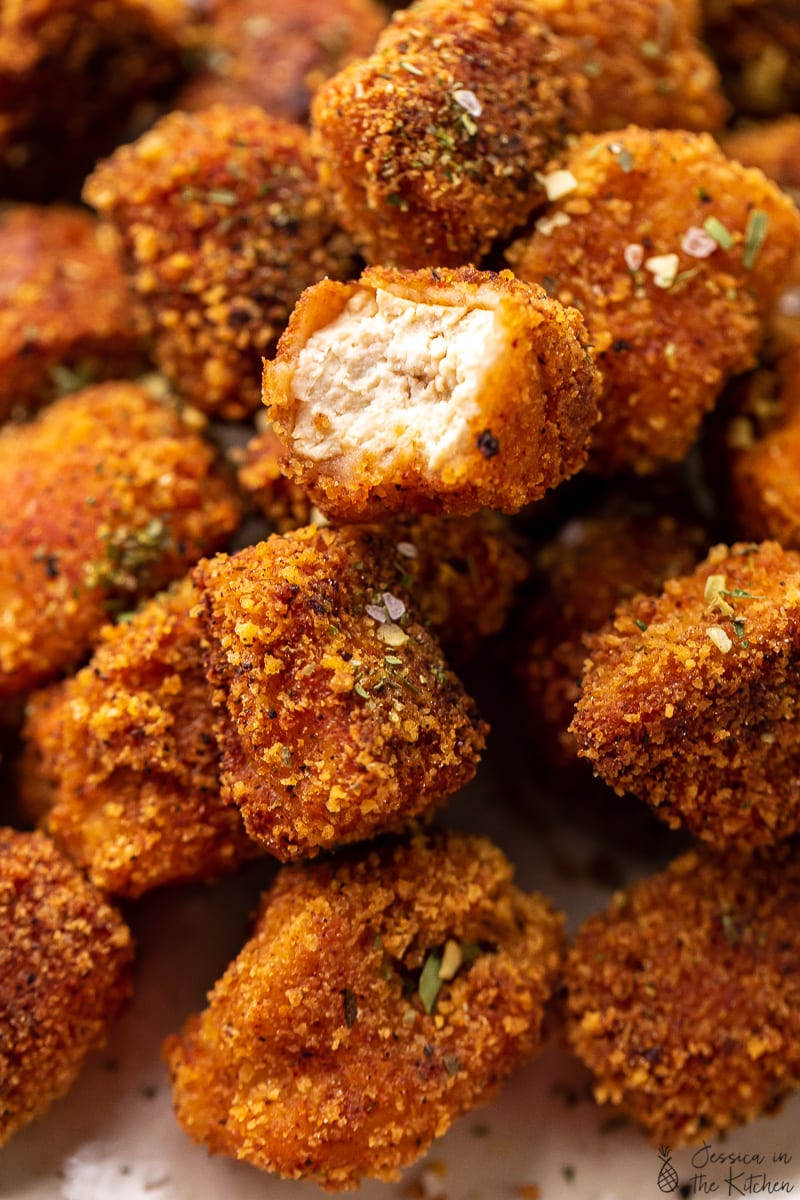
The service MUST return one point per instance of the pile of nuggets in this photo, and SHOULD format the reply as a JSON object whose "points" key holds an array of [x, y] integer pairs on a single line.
{"points": [[378, 286]]}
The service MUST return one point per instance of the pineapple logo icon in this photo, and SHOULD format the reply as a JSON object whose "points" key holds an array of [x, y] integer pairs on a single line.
{"points": [[667, 1177]]}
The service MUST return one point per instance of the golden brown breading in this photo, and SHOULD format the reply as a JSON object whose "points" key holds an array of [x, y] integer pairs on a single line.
{"points": [[106, 497], [286, 505], [65, 960], [684, 997], [381, 996], [773, 147], [690, 698], [65, 312], [340, 718], [431, 146], [129, 750], [608, 552], [431, 391], [642, 58], [276, 53], [222, 223], [757, 47], [70, 73], [675, 257]]}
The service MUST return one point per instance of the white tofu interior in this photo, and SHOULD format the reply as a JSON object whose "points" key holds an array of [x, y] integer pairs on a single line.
{"points": [[389, 373]]}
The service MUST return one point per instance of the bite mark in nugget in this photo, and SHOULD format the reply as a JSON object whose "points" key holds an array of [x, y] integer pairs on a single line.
{"points": [[431, 391], [381, 996], [339, 718]]}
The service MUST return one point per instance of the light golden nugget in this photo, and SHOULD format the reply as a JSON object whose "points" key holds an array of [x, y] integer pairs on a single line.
{"points": [[383, 994], [676, 257], [690, 698], [339, 717], [683, 999], [431, 391], [221, 223], [106, 497], [128, 752], [65, 974], [430, 147]]}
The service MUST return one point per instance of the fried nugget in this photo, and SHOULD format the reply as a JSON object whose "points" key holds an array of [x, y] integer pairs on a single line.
{"points": [[689, 699], [381, 996], [106, 497], [340, 718], [222, 224], [276, 54], [641, 57], [65, 313], [684, 997], [65, 958], [757, 46], [675, 257], [773, 147], [609, 552], [431, 391], [129, 751], [285, 504], [431, 146]]}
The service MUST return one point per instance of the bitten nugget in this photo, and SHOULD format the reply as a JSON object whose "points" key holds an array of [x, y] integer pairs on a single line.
{"points": [[128, 747], [690, 698], [431, 146], [684, 998], [65, 959], [65, 312], [106, 497], [277, 53], [757, 46], [431, 391], [381, 996], [222, 224], [340, 718], [675, 256]]}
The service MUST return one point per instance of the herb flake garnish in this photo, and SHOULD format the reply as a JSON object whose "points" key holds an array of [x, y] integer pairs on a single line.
{"points": [[640, 624], [430, 983], [754, 235], [719, 232]]}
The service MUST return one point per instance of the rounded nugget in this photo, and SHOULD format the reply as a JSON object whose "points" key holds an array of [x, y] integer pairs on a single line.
{"points": [[221, 223], [106, 496], [128, 750], [430, 147], [683, 999], [339, 717], [65, 958], [381, 996], [690, 699], [675, 256], [431, 391], [757, 46]]}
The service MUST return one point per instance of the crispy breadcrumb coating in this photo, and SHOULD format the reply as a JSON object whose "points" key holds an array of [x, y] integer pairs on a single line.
{"points": [[129, 750], [65, 313], [106, 497], [757, 47], [65, 958], [222, 224], [689, 699], [277, 53], [684, 997], [772, 146], [431, 146], [431, 391], [675, 257], [286, 505], [382, 995], [340, 718]]}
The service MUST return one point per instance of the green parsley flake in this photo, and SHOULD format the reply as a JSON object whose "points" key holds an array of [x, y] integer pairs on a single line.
{"points": [[223, 196], [754, 236], [452, 1063], [716, 230], [640, 624], [361, 691], [429, 981]]}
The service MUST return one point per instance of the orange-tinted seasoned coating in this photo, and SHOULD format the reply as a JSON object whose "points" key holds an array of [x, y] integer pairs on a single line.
{"points": [[285, 504], [129, 750], [106, 496], [642, 58], [684, 997], [772, 146], [276, 54], [340, 718], [319, 1058], [690, 698], [757, 47], [675, 256], [65, 959], [431, 391], [221, 223], [65, 313], [431, 146], [603, 555]]}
